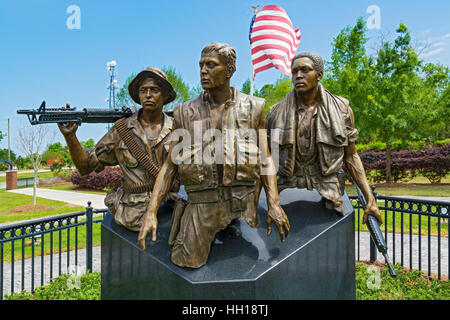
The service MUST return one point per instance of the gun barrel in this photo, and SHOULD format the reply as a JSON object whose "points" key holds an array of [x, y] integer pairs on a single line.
{"points": [[88, 115]]}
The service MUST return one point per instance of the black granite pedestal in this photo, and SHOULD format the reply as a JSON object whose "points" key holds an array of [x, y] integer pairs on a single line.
{"points": [[317, 261]]}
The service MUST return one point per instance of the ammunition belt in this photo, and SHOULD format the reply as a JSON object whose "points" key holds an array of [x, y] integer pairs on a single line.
{"points": [[144, 158], [139, 153], [138, 187]]}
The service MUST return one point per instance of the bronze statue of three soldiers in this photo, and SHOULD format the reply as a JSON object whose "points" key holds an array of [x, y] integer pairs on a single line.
{"points": [[218, 147]]}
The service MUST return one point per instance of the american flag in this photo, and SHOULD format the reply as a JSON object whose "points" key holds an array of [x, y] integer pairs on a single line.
{"points": [[273, 39]]}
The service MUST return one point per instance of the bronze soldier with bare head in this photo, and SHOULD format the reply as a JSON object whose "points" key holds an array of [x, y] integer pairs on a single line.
{"points": [[218, 192], [315, 132]]}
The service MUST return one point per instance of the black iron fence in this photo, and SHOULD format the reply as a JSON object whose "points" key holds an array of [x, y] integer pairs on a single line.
{"points": [[415, 230], [37, 247]]}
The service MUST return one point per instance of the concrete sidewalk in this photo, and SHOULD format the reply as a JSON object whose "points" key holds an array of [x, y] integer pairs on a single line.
{"points": [[77, 198]]}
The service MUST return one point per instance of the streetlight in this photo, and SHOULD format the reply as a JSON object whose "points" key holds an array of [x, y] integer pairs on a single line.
{"points": [[110, 66]]}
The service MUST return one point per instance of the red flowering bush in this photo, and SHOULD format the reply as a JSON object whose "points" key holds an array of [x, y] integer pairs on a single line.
{"points": [[106, 179]]}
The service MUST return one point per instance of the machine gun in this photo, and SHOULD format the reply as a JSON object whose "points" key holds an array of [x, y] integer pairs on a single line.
{"points": [[375, 234], [88, 115]]}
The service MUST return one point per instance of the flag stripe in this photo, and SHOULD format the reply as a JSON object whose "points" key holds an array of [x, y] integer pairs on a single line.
{"points": [[268, 38], [276, 47], [274, 41], [274, 29], [264, 18]]}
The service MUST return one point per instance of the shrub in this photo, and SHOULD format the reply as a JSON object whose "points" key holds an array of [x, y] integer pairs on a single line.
{"points": [[58, 289], [431, 162], [408, 285], [106, 179], [441, 143]]}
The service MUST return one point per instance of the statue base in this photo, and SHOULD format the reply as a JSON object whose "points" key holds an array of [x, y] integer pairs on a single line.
{"points": [[317, 261]]}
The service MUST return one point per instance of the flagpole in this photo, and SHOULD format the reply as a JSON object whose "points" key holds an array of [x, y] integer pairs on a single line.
{"points": [[252, 80]]}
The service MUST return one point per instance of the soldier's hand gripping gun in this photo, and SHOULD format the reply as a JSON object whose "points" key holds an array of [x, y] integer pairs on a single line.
{"points": [[375, 233], [88, 115]]}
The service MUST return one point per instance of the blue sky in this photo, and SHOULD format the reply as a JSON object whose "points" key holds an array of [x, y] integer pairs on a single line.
{"points": [[41, 59]]}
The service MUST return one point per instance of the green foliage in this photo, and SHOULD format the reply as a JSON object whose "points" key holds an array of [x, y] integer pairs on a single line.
{"points": [[273, 93], [4, 156], [181, 88], [440, 143], [246, 86], [184, 92], [89, 144], [123, 98], [23, 163], [2, 135], [61, 289], [59, 155], [398, 145], [394, 95], [412, 285]]}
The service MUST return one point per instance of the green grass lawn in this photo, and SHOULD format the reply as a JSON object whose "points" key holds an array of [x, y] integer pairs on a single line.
{"points": [[71, 187], [419, 186], [410, 190], [409, 285], [433, 221], [41, 175], [9, 201]]}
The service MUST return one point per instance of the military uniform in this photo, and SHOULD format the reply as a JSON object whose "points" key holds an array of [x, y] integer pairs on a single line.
{"points": [[126, 206], [311, 144], [217, 193]]}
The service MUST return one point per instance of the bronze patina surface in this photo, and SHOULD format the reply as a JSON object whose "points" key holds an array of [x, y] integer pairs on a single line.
{"points": [[151, 129], [218, 192], [315, 133]]}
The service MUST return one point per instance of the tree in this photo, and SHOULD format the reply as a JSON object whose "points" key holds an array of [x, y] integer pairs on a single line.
{"points": [[181, 88], [394, 95], [395, 107], [184, 92], [30, 141], [88, 144], [123, 97], [349, 73], [272, 93], [2, 135]]}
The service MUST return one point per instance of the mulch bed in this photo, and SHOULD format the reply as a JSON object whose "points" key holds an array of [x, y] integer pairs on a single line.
{"points": [[30, 208]]}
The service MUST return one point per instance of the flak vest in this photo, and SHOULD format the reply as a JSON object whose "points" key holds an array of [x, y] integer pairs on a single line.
{"points": [[241, 160]]}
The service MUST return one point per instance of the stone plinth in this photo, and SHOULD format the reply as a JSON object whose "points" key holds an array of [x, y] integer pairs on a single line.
{"points": [[316, 262]]}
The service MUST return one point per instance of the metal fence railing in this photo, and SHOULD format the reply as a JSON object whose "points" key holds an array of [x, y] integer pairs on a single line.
{"points": [[415, 230], [37, 247], [25, 182]]}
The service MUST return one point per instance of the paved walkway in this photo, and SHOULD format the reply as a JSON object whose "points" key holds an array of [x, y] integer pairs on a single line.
{"points": [[364, 254], [77, 198]]}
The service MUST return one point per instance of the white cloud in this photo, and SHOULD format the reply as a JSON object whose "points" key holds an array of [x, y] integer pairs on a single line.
{"points": [[438, 44], [432, 53], [426, 32]]}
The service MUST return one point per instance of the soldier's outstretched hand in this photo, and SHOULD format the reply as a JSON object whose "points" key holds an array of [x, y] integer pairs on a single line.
{"points": [[276, 215], [67, 128], [150, 225]]}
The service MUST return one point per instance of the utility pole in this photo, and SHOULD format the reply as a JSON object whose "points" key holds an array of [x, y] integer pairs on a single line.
{"points": [[9, 141], [111, 65]]}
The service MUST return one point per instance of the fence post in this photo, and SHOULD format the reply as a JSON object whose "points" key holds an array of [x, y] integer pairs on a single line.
{"points": [[89, 228], [373, 247]]}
